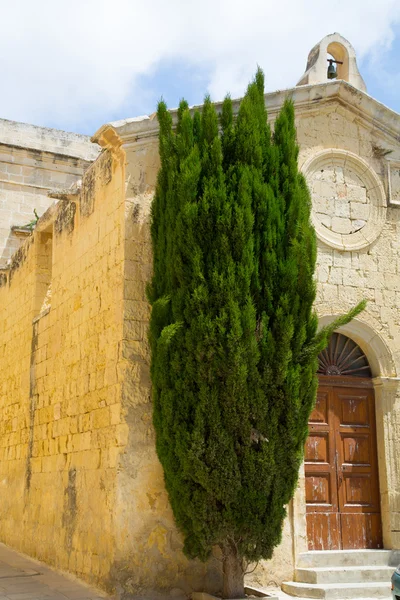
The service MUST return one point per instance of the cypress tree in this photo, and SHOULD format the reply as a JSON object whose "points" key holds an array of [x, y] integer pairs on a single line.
{"points": [[233, 334]]}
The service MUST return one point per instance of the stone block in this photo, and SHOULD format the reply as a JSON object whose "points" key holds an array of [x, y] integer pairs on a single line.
{"points": [[359, 210], [101, 417], [341, 225]]}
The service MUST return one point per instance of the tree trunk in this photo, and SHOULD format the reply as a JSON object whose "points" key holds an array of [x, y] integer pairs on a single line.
{"points": [[233, 584]]}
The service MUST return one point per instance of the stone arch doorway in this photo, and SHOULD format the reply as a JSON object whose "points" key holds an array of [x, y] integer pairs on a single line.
{"points": [[341, 467]]}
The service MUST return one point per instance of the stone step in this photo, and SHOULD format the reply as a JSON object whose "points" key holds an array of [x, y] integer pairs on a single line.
{"points": [[337, 591], [343, 574], [348, 558]]}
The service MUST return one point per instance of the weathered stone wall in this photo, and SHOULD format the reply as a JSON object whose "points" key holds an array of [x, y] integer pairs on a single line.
{"points": [[34, 160], [364, 264], [61, 430]]}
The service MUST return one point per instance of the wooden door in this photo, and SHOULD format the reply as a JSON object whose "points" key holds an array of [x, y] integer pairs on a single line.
{"points": [[342, 489], [357, 469], [323, 519]]}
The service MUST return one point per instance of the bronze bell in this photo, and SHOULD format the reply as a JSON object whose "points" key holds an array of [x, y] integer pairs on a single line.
{"points": [[332, 74]]}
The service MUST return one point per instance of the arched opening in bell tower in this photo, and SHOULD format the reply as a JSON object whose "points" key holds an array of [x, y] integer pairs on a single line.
{"points": [[340, 54]]}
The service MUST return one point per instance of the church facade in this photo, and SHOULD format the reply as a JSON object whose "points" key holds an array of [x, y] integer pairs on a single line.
{"points": [[82, 488]]}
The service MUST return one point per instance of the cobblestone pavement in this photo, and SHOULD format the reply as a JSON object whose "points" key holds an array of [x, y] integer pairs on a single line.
{"points": [[22, 578]]}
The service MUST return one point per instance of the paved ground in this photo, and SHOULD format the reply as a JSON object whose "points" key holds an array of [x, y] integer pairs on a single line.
{"points": [[24, 579], [274, 592]]}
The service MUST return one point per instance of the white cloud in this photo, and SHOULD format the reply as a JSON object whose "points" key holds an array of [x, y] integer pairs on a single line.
{"points": [[70, 61]]}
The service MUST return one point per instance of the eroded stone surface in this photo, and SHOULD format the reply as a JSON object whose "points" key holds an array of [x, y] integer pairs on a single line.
{"points": [[340, 199]]}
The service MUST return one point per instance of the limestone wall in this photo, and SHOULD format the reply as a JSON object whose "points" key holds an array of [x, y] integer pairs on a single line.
{"points": [[364, 264], [34, 160], [61, 431]]}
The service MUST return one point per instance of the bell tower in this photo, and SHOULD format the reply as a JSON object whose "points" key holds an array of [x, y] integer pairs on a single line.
{"points": [[339, 52]]}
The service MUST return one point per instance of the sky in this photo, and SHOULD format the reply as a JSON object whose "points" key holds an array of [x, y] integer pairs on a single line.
{"points": [[77, 64]]}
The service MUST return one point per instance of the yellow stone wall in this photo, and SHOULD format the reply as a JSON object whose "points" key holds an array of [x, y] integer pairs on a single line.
{"points": [[60, 425]]}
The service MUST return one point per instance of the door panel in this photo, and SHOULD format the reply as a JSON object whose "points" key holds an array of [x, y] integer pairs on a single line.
{"points": [[357, 490], [353, 408], [323, 524], [317, 447], [318, 489], [361, 530], [356, 449], [342, 491], [321, 408], [323, 531], [356, 446]]}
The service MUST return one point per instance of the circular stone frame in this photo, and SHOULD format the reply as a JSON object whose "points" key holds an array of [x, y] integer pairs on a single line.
{"points": [[375, 190]]}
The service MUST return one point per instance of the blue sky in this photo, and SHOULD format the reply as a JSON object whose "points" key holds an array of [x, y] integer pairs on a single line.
{"points": [[76, 64], [382, 73]]}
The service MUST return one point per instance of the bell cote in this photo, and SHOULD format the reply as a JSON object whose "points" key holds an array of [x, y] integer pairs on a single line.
{"points": [[333, 57]]}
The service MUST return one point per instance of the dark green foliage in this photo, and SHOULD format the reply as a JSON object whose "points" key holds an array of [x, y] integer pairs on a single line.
{"points": [[233, 334]]}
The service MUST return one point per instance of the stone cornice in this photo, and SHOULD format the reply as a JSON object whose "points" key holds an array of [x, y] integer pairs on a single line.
{"points": [[307, 99], [53, 141], [46, 157]]}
